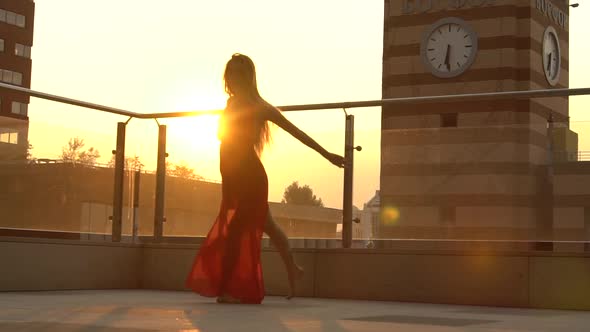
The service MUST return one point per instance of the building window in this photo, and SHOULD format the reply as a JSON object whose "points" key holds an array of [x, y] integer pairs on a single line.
{"points": [[12, 18], [20, 20], [20, 108], [19, 49], [448, 120], [7, 76], [1, 45], [22, 50], [17, 78], [8, 136], [11, 77]]}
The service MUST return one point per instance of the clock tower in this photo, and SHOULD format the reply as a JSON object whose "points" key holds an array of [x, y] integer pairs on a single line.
{"points": [[477, 169]]}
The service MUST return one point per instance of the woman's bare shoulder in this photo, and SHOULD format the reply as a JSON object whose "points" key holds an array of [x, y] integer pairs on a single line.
{"points": [[236, 108], [239, 107]]}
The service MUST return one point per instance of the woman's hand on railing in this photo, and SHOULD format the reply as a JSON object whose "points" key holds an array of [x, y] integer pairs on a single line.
{"points": [[335, 159]]}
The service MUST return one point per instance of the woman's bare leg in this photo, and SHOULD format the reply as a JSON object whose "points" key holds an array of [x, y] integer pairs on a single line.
{"points": [[280, 241]]}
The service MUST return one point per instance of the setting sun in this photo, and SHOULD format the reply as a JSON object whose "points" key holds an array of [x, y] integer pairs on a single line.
{"points": [[197, 131], [193, 141]]}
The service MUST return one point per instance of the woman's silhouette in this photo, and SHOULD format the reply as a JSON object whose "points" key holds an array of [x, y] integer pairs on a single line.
{"points": [[228, 262]]}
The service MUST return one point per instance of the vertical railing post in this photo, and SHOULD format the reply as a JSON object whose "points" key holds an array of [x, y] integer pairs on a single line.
{"points": [[160, 184], [117, 216], [348, 172], [137, 179]]}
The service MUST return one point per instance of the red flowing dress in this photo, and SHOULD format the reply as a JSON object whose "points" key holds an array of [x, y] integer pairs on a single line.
{"points": [[228, 262]]}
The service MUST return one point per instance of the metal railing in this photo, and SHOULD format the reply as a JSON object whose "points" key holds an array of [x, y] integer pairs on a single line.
{"points": [[543, 93], [348, 140]]}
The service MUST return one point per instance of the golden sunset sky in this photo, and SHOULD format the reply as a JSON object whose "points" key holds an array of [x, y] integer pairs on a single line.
{"points": [[160, 56]]}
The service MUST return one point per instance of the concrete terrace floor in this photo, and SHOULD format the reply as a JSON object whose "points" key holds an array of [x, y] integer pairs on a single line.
{"points": [[145, 310]]}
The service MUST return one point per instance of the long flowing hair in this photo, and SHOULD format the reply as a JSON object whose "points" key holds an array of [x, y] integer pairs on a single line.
{"points": [[240, 82]]}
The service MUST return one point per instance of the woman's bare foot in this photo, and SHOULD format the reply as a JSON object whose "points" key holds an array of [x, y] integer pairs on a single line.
{"points": [[228, 299], [295, 273]]}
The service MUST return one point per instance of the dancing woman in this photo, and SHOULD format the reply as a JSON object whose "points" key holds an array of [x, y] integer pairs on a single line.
{"points": [[227, 265]]}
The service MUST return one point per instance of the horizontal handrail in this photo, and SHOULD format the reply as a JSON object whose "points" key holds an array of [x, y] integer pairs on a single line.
{"points": [[69, 101], [543, 93], [406, 100]]}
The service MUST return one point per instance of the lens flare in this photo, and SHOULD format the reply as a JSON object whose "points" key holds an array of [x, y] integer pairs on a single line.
{"points": [[390, 215]]}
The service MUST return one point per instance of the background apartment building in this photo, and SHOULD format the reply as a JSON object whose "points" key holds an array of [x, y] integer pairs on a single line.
{"points": [[16, 40]]}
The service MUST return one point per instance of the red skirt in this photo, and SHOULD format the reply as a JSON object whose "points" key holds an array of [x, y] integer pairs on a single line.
{"points": [[228, 262]]}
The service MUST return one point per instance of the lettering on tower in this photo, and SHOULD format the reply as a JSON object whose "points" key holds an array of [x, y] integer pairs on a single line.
{"points": [[553, 12]]}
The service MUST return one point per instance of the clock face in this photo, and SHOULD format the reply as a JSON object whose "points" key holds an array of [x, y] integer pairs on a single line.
{"points": [[449, 47], [551, 56]]}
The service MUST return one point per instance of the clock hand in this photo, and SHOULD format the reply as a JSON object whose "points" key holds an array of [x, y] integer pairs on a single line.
{"points": [[549, 62], [447, 58]]}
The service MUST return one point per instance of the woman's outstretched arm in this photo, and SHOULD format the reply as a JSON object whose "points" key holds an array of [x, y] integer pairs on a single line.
{"points": [[275, 116]]}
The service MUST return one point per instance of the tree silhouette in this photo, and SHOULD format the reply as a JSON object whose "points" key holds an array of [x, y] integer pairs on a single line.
{"points": [[131, 163], [73, 152], [28, 154], [182, 171], [301, 195]]}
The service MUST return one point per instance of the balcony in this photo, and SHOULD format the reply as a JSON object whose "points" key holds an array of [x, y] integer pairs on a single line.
{"points": [[464, 203], [65, 209]]}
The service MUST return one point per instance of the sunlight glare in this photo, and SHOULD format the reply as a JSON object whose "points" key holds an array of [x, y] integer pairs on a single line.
{"points": [[193, 141], [197, 131]]}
